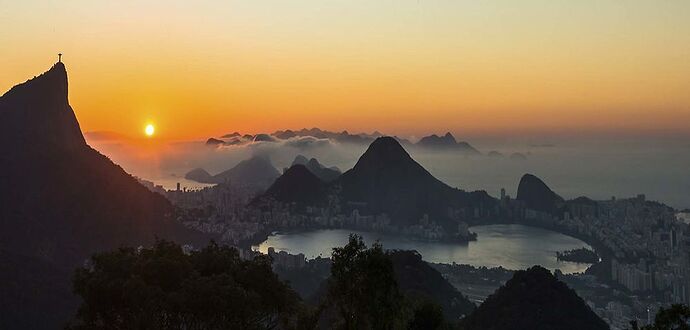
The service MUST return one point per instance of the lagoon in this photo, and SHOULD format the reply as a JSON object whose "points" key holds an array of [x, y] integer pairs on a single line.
{"points": [[511, 246]]}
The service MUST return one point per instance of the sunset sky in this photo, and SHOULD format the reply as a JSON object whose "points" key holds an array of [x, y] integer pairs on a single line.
{"points": [[202, 68]]}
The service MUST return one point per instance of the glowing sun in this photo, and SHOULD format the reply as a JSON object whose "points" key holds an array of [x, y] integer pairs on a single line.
{"points": [[149, 130]]}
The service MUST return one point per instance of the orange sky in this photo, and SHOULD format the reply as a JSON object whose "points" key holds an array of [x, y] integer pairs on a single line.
{"points": [[402, 67]]}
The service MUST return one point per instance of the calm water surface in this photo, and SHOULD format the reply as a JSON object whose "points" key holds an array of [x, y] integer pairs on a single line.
{"points": [[510, 246]]}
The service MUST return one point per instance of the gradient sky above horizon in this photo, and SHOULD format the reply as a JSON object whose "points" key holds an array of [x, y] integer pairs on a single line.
{"points": [[203, 68]]}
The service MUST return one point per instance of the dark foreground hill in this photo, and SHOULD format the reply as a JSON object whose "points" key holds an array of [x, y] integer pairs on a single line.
{"points": [[62, 200], [34, 293], [415, 278], [534, 299]]}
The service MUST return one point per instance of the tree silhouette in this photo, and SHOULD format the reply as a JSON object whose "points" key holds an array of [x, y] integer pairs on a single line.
{"points": [[428, 315], [164, 288], [362, 287], [674, 318]]}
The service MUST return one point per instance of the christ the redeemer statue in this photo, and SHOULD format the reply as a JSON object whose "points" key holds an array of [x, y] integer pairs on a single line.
{"points": [[60, 58]]}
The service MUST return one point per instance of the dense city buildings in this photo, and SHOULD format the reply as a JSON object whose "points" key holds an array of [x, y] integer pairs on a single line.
{"points": [[643, 244]]}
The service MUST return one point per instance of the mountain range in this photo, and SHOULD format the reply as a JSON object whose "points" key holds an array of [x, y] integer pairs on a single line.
{"points": [[387, 180], [533, 299], [446, 142]]}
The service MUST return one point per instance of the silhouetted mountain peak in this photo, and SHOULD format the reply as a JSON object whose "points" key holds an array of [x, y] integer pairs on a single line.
{"points": [[67, 200], [300, 159], [536, 194], [213, 142], [318, 169], [315, 163], [534, 299], [55, 76], [262, 137], [297, 185], [51, 84], [36, 117], [532, 180], [232, 135], [299, 174], [257, 172], [384, 151], [387, 180], [62, 201], [446, 142], [200, 175]]}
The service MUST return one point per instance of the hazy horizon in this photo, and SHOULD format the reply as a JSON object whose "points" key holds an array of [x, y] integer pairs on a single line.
{"points": [[533, 68], [596, 169]]}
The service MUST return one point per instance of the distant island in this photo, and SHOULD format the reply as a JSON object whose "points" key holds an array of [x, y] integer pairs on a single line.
{"points": [[433, 142], [581, 255]]}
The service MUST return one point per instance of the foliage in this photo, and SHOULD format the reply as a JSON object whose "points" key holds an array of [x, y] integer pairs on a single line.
{"points": [[419, 281], [164, 288], [427, 316], [674, 318], [363, 289]]}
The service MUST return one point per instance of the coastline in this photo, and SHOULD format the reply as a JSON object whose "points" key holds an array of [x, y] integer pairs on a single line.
{"points": [[439, 251]]}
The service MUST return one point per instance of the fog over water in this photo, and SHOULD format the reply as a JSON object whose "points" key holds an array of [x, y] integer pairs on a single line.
{"points": [[597, 169]]}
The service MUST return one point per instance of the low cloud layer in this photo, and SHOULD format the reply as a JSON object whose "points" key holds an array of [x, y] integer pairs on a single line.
{"points": [[598, 171]]}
